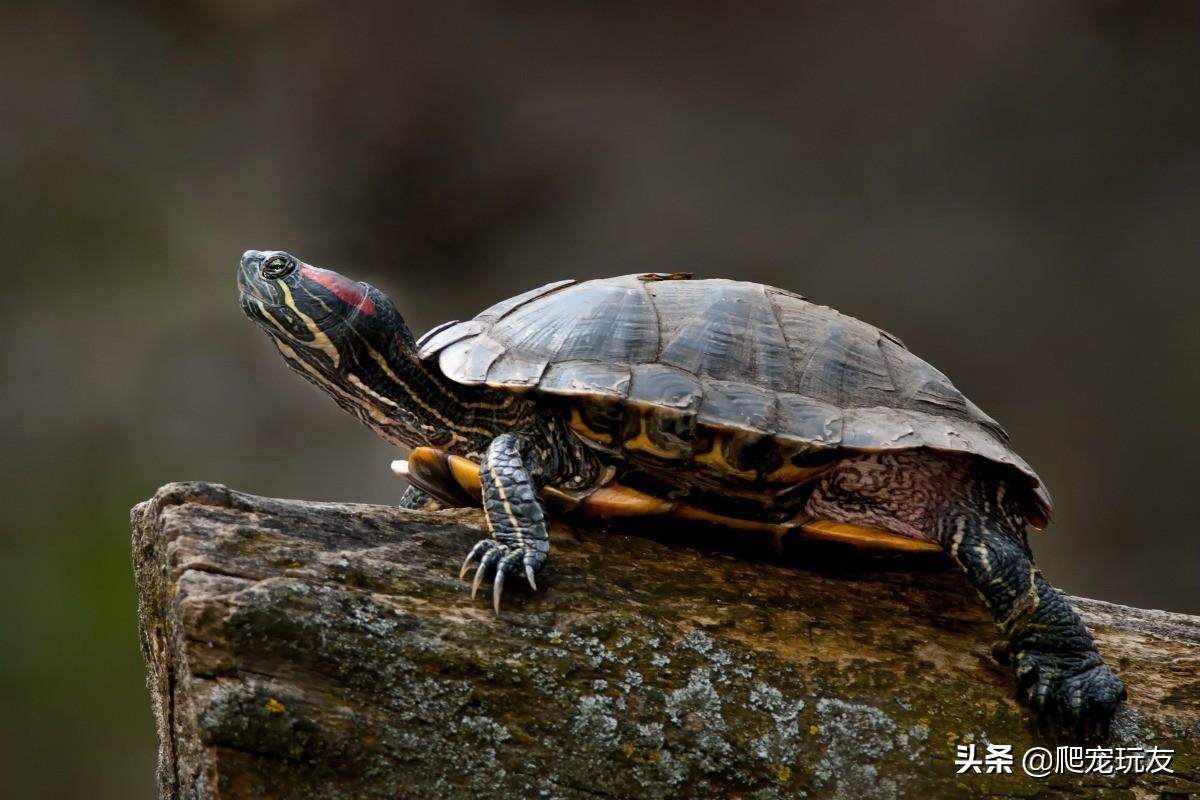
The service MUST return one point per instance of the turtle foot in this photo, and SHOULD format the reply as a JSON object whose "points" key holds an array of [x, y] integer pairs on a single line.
{"points": [[1077, 690], [500, 560], [416, 500]]}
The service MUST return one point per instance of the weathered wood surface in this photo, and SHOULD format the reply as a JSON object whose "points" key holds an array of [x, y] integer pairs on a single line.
{"points": [[300, 649]]}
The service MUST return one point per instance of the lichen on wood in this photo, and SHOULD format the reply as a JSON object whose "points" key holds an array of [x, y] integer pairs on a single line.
{"points": [[300, 649]]}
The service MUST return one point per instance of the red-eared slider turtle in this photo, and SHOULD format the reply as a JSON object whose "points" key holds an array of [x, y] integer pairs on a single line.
{"points": [[710, 398]]}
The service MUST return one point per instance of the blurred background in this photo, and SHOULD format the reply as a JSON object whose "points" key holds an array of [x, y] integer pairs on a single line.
{"points": [[1012, 188]]}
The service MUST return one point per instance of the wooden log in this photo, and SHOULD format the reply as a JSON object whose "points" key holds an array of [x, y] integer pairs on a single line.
{"points": [[301, 649]]}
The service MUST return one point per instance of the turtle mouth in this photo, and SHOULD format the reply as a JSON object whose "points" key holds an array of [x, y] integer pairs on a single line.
{"points": [[250, 283]]}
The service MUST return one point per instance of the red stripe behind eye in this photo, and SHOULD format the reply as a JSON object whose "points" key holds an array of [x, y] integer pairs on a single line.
{"points": [[346, 290]]}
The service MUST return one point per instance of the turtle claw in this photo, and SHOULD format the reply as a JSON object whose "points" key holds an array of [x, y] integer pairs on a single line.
{"points": [[497, 588], [472, 556], [500, 559], [485, 563], [507, 566], [1075, 691]]}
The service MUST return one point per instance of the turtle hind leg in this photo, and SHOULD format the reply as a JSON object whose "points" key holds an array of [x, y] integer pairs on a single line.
{"points": [[972, 513], [414, 499], [1060, 674]]}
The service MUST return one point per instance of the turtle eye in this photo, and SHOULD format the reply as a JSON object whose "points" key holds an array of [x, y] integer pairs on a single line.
{"points": [[277, 266]]}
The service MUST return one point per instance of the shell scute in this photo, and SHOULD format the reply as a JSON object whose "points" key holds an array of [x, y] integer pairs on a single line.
{"points": [[726, 330], [661, 385], [446, 334], [516, 370], [591, 321], [878, 429], [738, 405], [806, 420], [470, 359], [586, 378]]}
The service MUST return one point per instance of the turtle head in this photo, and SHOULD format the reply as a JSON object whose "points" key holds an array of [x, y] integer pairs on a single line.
{"points": [[342, 335], [322, 312]]}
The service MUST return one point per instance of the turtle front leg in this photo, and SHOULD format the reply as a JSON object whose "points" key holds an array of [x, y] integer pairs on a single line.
{"points": [[516, 519], [1060, 674]]}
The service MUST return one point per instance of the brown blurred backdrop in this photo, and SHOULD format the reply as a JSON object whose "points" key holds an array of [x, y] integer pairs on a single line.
{"points": [[1012, 188]]}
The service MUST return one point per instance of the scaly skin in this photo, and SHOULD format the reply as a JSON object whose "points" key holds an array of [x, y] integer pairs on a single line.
{"points": [[414, 499], [520, 538], [513, 470]]}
